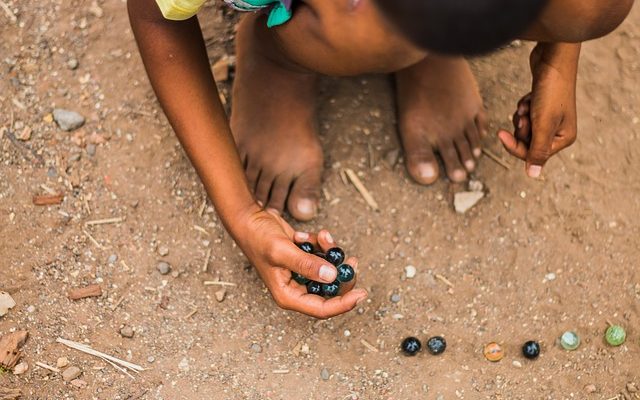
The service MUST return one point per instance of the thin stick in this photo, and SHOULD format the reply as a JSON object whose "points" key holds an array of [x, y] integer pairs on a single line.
{"points": [[371, 160], [343, 177], [206, 260], [86, 349], [219, 283], [445, 280], [495, 158], [368, 345], [280, 371], [115, 306], [48, 189], [202, 207], [200, 229], [49, 367], [105, 221], [119, 368], [191, 314], [8, 11], [93, 240], [366, 195]]}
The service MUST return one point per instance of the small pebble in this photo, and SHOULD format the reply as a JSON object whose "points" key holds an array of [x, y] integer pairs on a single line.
{"points": [[632, 388], [72, 63], [20, 368], [410, 271], [163, 251], [184, 365], [151, 359], [347, 333], [112, 259], [615, 335], [256, 348], [62, 362], [91, 149], [75, 157], [550, 277], [517, 364], [464, 201], [475, 186], [220, 295], [31, 309], [395, 298], [79, 383], [590, 388], [164, 268], [67, 120], [71, 373], [324, 374], [127, 332]]}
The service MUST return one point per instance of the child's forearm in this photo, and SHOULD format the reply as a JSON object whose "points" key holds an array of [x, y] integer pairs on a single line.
{"points": [[174, 55], [563, 57]]}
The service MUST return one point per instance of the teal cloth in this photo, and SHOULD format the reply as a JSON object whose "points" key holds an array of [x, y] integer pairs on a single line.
{"points": [[279, 13]]}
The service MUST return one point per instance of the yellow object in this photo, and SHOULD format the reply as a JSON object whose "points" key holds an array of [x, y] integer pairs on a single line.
{"points": [[179, 10]]}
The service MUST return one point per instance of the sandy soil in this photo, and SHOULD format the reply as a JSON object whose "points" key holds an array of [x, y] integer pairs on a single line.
{"points": [[533, 259]]}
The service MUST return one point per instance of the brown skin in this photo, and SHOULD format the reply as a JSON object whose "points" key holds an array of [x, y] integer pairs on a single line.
{"points": [[327, 37]]}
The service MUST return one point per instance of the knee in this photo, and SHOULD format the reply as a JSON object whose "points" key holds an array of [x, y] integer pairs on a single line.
{"points": [[601, 21]]}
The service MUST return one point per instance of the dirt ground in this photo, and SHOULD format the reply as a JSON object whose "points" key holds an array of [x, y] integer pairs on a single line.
{"points": [[531, 260]]}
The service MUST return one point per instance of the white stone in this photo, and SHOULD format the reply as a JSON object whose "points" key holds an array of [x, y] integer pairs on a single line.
{"points": [[464, 201], [410, 271], [20, 368]]}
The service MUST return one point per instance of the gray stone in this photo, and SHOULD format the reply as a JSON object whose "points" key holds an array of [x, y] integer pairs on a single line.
{"points": [[324, 374], [67, 120], [184, 365], [464, 201], [112, 259], [163, 267], [75, 157], [91, 149], [71, 373], [127, 332], [395, 298], [72, 63], [163, 251], [256, 348], [151, 359]]}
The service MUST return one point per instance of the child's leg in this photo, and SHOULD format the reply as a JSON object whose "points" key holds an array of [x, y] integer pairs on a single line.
{"points": [[439, 109], [273, 122]]}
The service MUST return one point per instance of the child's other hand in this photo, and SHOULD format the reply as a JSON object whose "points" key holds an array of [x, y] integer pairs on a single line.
{"points": [[545, 121], [269, 245]]}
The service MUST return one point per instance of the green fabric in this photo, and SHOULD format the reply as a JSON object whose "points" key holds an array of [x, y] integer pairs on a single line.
{"points": [[278, 15]]}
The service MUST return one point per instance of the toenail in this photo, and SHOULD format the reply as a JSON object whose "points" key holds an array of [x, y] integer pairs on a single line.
{"points": [[469, 164], [459, 175], [534, 171], [477, 152], [427, 171], [306, 206]]}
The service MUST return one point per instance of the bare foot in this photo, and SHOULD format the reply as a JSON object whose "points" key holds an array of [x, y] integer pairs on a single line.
{"points": [[273, 122], [440, 110]]}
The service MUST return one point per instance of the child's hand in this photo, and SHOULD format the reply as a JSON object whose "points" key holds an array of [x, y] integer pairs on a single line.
{"points": [[269, 245], [545, 121]]}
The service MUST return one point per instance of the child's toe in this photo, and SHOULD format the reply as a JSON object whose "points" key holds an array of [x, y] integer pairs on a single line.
{"points": [[303, 199], [455, 171], [422, 165]]}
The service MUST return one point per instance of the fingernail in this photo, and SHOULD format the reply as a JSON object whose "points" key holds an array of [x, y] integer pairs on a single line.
{"points": [[534, 171], [261, 204], [329, 237], [521, 110], [302, 235], [328, 273], [273, 210], [306, 206], [521, 123], [427, 171]]}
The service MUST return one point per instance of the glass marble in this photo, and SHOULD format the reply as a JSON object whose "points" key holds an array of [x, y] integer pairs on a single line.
{"points": [[531, 349], [493, 352], [436, 345], [615, 335], [411, 346], [570, 340]]}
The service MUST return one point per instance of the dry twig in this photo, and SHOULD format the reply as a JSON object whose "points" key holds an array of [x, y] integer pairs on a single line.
{"points": [[84, 292], [366, 195], [88, 350], [105, 221], [496, 158]]}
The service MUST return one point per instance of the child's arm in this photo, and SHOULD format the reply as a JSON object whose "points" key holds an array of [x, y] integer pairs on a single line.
{"points": [[545, 121], [174, 55]]}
